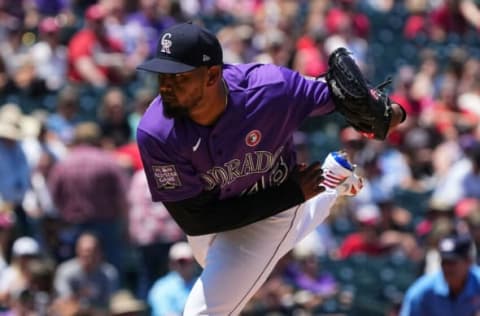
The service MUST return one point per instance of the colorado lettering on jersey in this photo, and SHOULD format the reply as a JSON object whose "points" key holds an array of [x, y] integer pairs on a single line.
{"points": [[276, 177], [252, 163]]}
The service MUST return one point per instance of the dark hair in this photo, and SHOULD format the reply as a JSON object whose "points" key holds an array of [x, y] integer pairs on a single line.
{"points": [[474, 154], [68, 96], [112, 90]]}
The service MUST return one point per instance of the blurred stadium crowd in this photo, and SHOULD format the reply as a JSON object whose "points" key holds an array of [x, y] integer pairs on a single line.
{"points": [[78, 232]]}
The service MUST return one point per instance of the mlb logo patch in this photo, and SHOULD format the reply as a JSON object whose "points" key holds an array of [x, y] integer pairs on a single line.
{"points": [[166, 177]]}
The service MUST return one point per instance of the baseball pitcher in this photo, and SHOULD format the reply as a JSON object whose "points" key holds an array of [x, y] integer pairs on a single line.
{"points": [[218, 152]]}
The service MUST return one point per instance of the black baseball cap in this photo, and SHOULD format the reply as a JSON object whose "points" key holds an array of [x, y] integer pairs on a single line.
{"points": [[456, 247], [184, 47]]}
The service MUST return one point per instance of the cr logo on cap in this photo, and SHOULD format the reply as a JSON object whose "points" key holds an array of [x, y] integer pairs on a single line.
{"points": [[166, 43]]}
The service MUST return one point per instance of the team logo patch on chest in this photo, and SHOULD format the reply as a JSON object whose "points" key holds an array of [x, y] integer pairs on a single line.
{"points": [[166, 177], [253, 138]]}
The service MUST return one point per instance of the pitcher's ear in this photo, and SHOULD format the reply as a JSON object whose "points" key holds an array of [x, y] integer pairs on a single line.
{"points": [[213, 75]]}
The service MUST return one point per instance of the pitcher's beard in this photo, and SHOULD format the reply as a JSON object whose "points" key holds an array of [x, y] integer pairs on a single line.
{"points": [[174, 111]]}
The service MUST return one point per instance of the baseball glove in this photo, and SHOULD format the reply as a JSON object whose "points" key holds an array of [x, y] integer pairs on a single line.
{"points": [[368, 109]]}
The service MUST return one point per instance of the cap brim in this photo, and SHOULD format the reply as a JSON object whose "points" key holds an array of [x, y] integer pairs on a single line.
{"points": [[164, 66]]}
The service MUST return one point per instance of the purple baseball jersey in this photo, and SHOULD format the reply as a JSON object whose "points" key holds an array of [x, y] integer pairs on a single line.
{"points": [[248, 149]]}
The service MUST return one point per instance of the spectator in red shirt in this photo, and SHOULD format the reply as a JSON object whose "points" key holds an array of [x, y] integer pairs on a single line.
{"points": [[346, 8], [310, 59], [454, 16], [415, 24], [93, 57], [367, 239], [403, 91]]}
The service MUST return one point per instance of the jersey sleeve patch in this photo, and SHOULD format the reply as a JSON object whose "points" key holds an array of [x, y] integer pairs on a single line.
{"points": [[166, 177]]}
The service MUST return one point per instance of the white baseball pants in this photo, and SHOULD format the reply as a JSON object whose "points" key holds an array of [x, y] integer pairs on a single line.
{"points": [[237, 262]]}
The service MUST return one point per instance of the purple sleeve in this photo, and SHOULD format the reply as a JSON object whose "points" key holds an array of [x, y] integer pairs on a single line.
{"points": [[310, 96], [284, 97], [170, 178]]}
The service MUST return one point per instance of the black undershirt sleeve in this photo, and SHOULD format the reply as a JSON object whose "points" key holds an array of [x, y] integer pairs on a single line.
{"points": [[206, 214]]}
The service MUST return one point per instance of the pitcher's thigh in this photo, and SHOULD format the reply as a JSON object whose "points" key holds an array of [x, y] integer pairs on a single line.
{"points": [[238, 262], [200, 246]]}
